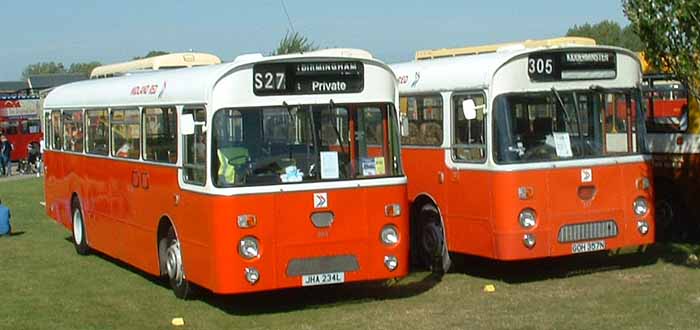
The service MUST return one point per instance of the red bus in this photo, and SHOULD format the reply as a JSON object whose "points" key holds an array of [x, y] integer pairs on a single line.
{"points": [[259, 174], [520, 152], [19, 121], [674, 143]]}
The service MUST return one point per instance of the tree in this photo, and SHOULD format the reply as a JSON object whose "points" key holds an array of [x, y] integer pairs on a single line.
{"points": [[43, 68], [152, 54], [670, 31], [84, 68], [608, 33], [294, 43]]}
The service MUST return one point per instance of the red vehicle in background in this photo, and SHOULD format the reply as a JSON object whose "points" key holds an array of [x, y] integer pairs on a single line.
{"points": [[20, 123]]}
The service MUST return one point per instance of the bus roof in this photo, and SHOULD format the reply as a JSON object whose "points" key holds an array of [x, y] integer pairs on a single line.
{"points": [[174, 60], [180, 86], [440, 73]]}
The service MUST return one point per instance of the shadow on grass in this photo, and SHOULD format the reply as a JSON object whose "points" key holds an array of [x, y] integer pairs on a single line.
{"points": [[569, 266], [286, 300], [321, 297], [17, 233]]}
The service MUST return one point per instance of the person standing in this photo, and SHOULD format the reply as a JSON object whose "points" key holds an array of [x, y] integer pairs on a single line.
{"points": [[5, 156], [5, 228]]}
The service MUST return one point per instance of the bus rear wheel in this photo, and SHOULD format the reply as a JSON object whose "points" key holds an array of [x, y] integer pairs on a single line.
{"points": [[429, 247], [175, 269], [79, 232]]}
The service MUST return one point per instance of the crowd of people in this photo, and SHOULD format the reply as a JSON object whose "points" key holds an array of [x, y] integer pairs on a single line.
{"points": [[30, 165]]}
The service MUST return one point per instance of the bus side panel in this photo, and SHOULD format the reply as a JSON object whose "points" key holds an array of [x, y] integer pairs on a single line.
{"points": [[56, 186], [423, 167], [192, 216], [102, 230], [150, 193], [469, 211]]}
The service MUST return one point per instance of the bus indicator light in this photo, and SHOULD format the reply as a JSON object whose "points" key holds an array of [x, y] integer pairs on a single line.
{"points": [[392, 210], [525, 193], [247, 221], [252, 275], [643, 183]]}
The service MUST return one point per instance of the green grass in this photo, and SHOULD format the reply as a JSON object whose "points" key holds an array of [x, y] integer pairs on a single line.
{"points": [[44, 284]]}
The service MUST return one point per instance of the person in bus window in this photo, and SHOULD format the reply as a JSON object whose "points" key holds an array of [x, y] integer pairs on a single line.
{"points": [[5, 156]]}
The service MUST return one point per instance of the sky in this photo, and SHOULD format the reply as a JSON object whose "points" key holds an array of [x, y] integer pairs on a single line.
{"points": [[392, 30]]}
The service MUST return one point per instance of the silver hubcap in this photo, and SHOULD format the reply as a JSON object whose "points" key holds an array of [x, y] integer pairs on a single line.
{"points": [[174, 264], [78, 227]]}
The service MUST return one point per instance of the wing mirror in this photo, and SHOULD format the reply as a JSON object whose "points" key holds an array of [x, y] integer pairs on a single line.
{"points": [[187, 124], [469, 109]]}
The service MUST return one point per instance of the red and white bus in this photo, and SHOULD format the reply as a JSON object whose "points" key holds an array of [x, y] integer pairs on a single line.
{"points": [[20, 123], [259, 174], [673, 121], [524, 151]]}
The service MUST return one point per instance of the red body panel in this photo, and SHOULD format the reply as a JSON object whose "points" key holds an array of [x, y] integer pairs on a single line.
{"points": [[480, 208], [123, 202]]}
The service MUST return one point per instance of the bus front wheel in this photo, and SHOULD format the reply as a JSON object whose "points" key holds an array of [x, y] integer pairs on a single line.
{"points": [[430, 248], [175, 269], [79, 232]]}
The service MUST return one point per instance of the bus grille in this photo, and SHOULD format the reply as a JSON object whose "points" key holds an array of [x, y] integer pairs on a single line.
{"points": [[587, 231], [310, 266]]}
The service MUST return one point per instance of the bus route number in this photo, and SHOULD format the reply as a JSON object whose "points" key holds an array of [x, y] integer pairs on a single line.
{"points": [[540, 66], [270, 81]]}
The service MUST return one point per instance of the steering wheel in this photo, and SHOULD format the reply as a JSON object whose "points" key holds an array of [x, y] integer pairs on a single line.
{"points": [[541, 152]]}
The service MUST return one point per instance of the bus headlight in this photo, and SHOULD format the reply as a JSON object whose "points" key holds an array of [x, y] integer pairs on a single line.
{"points": [[248, 247], [252, 275], [641, 206], [390, 235], [643, 227], [527, 218], [391, 262], [529, 241]]}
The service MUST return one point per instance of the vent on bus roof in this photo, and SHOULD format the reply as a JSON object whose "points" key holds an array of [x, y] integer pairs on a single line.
{"points": [[248, 57], [342, 52], [510, 46]]}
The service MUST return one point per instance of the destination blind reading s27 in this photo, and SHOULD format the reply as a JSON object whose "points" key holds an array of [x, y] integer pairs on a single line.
{"points": [[308, 78]]}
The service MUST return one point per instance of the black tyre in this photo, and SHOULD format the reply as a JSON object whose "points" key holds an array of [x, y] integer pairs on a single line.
{"points": [[175, 269], [429, 248], [670, 219], [79, 232]]}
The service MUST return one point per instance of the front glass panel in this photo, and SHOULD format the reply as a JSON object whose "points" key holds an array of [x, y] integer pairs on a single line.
{"points": [[564, 125], [303, 143]]}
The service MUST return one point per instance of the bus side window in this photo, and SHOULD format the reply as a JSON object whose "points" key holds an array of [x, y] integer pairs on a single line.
{"points": [[469, 136], [97, 128], [424, 114], [47, 129], [56, 128], [73, 130], [31, 126], [126, 133], [160, 131], [195, 149]]}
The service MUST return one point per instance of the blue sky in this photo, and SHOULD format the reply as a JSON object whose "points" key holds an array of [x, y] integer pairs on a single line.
{"points": [[113, 31]]}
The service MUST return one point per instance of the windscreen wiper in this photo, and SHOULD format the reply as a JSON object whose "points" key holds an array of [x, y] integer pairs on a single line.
{"points": [[331, 106], [566, 113]]}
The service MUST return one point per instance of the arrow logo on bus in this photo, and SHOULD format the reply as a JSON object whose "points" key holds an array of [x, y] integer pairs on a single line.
{"points": [[320, 200]]}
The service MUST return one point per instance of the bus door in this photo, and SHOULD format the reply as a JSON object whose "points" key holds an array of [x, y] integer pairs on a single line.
{"points": [[469, 185]]}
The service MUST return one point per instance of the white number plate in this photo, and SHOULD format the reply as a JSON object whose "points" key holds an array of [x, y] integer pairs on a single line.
{"points": [[588, 247], [322, 279]]}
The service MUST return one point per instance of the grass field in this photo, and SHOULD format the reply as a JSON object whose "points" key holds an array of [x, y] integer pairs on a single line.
{"points": [[44, 284]]}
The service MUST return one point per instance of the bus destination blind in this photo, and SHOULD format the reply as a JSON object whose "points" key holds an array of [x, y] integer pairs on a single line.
{"points": [[579, 65], [308, 78]]}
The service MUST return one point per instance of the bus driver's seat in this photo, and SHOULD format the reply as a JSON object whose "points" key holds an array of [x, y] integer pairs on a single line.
{"points": [[232, 161]]}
